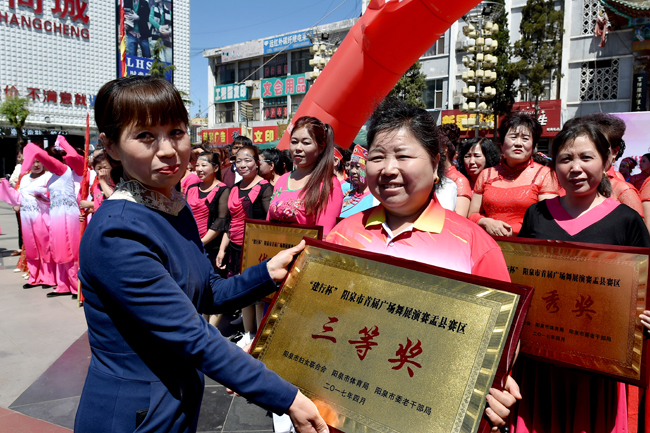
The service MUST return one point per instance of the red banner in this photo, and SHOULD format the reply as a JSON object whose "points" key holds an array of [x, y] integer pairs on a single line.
{"points": [[264, 134], [225, 136]]}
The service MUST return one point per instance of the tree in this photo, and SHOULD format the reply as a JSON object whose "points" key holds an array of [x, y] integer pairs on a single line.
{"points": [[16, 112], [409, 88], [507, 73], [164, 70], [540, 47]]}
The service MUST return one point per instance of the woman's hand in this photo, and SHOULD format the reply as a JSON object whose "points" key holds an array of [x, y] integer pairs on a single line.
{"points": [[104, 174], [495, 227], [278, 265], [303, 412], [645, 319], [501, 402], [220, 262]]}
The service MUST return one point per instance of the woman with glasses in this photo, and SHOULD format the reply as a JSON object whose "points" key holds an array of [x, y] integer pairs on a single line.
{"points": [[249, 198]]}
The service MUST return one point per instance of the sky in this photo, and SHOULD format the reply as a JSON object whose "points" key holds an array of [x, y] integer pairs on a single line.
{"points": [[217, 23]]}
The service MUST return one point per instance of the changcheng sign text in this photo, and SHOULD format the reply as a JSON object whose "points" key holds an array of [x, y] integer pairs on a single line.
{"points": [[75, 10]]}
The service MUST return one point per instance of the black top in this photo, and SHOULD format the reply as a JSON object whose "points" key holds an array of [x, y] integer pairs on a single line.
{"points": [[260, 207], [622, 226]]}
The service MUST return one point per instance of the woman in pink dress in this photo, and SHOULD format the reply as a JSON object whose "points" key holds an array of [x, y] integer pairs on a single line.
{"points": [[310, 194], [35, 221], [64, 219]]}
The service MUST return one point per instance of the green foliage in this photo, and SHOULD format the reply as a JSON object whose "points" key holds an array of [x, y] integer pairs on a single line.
{"points": [[16, 112], [507, 73], [409, 88], [540, 46], [158, 67]]}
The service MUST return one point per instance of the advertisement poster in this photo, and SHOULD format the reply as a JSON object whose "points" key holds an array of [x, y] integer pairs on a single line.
{"points": [[148, 30]]}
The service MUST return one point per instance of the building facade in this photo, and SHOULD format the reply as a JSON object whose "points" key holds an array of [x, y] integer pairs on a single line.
{"points": [[57, 54], [593, 78]]}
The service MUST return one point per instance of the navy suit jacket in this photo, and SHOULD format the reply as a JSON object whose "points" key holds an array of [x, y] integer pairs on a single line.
{"points": [[146, 280]]}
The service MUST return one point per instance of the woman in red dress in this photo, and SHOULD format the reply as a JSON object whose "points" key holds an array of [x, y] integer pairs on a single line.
{"points": [[503, 193], [638, 179], [475, 155], [463, 188]]}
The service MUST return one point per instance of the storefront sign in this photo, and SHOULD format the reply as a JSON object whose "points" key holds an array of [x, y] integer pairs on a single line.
{"points": [[286, 42], [28, 132], [282, 86], [62, 10], [230, 92], [49, 96], [264, 134], [640, 92], [242, 51], [548, 116]]}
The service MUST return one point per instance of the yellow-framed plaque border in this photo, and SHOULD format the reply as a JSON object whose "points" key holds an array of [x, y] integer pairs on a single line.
{"points": [[503, 305], [637, 260]]}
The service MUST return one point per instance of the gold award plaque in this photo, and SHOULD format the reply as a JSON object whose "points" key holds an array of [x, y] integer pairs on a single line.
{"points": [[263, 239], [381, 348], [585, 306]]}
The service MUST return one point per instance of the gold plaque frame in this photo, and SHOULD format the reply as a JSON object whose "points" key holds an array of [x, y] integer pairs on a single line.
{"points": [[464, 368], [264, 238], [608, 338]]}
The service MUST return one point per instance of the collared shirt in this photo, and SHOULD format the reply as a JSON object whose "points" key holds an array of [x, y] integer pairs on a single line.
{"points": [[438, 237]]}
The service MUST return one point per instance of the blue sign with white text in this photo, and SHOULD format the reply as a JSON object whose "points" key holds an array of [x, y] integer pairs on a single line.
{"points": [[286, 42], [141, 66]]}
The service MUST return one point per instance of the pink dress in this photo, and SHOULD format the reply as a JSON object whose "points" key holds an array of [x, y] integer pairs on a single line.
{"points": [[287, 205], [64, 217], [34, 225]]}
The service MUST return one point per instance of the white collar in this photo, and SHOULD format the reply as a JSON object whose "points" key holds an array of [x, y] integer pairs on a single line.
{"points": [[135, 192]]}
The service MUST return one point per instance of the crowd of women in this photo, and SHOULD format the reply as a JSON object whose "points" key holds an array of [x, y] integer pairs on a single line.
{"points": [[171, 224]]}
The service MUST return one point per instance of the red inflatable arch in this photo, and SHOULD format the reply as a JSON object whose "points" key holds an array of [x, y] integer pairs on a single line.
{"points": [[389, 37]]}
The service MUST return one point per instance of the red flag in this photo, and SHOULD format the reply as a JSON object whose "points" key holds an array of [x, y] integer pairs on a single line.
{"points": [[85, 183], [122, 42]]}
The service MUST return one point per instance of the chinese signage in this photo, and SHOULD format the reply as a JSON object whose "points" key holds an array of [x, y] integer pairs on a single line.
{"points": [[264, 134], [282, 86], [366, 340], [585, 306], [548, 117], [62, 10], [49, 96], [640, 92], [286, 42], [224, 136], [28, 132], [230, 92]]}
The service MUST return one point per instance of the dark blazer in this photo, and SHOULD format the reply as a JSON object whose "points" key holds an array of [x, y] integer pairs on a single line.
{"points": [[143, 14], [146, 280]]}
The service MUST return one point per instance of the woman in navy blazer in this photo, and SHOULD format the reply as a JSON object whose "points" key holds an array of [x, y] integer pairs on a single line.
{"points": [[146, 281]]}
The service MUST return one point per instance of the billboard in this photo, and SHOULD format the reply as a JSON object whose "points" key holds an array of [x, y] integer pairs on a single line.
{"points": [[148, 30]]}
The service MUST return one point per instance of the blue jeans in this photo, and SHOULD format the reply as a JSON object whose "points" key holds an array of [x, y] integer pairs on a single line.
{"points": [[132, 46]]}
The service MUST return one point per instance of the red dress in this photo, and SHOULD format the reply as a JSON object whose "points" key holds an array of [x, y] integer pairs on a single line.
{"points": [[638, 179], [462, 184], [508, 193]]}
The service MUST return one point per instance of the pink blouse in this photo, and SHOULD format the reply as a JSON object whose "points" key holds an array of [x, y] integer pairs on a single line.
{"points": [[287, 205]]}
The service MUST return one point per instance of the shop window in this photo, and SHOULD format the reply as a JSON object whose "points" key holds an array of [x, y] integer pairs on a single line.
{"points": [[226, 74], [433, 95], [599, 80], [249, 70], [275, 66], [437, 48], [226, 112], [300, 61], [275, 108], [590, 10]]}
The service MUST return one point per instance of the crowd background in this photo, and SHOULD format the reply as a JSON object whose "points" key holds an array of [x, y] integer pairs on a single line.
{"points": [[412, 181]]}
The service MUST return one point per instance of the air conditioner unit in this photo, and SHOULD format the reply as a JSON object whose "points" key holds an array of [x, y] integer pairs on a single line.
{"points": [[249, 83], [456, 100]]}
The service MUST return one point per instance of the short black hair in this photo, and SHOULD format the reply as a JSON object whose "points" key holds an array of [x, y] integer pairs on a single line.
{"points": [[274, 155], [579, 128], [394, 114], [515, 120]]}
